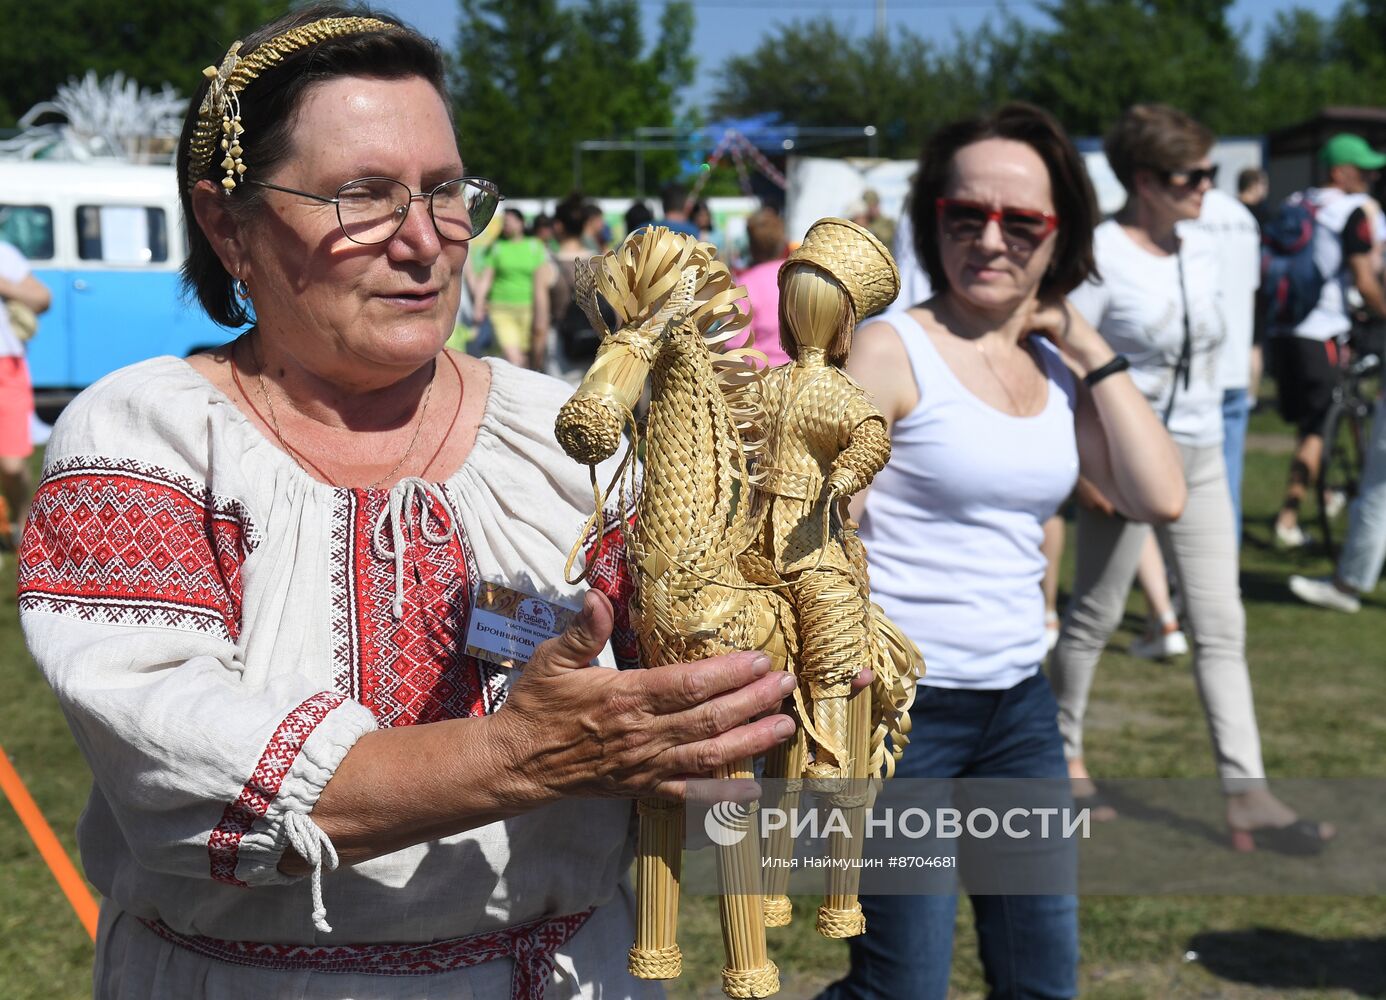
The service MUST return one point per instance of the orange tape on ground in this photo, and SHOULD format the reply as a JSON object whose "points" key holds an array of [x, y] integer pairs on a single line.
{"points": [[72, 884]]}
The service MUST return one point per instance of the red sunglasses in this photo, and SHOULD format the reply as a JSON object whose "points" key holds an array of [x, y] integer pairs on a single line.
{"points": [[1023, 229]]}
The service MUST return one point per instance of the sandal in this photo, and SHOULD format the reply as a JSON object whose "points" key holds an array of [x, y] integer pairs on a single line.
{"points": [[1302, 838]]}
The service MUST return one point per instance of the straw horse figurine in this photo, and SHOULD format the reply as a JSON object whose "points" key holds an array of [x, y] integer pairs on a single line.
{"points": [[702, 587]]}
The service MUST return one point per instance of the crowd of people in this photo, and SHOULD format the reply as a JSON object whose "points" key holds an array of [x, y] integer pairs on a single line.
{"points": [[281, 686], [517, 299]]}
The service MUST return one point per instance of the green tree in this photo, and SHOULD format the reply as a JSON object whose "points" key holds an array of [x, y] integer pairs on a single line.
{"points": [[151, 41], [1311, 62], [814, 73], [533, 77], [1103, 55]]}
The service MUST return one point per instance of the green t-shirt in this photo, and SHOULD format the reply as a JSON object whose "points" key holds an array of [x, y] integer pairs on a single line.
{"points": [[515, 262]]}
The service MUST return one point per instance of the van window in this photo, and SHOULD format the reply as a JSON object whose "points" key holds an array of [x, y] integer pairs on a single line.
{"points": [[122, 234], [30, 228]]}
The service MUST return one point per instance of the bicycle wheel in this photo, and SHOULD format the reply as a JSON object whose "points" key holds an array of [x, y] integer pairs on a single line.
{"points": [[1340, 471]]}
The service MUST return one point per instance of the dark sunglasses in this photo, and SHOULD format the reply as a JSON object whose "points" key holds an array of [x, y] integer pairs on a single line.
{"points": [[1023, 229], [1190, 179]]}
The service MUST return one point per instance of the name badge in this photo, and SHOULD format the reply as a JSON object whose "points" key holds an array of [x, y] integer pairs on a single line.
{"points": [[508, 625]]}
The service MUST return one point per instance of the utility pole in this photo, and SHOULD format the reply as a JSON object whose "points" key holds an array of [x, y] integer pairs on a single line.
{"points": [[881, 21]]}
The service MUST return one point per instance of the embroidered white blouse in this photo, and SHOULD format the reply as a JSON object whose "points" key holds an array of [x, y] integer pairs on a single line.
{"points": [[219, 629]]}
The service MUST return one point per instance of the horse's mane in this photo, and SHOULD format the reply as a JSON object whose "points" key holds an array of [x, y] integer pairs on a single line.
{"points": [[637, 279]]}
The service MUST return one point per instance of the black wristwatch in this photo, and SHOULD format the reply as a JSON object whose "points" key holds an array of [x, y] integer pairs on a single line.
{"points": [[1118, 364]]}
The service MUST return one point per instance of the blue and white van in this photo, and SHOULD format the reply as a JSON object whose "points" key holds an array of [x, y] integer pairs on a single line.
{"points": [[107, 240]]}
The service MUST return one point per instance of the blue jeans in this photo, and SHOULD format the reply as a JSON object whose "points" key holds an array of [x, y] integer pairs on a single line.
{"points": [[1028, 944], [1359, 566], [1236, 413]]}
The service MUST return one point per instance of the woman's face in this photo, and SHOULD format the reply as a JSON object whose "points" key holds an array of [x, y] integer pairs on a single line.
{"points": [[358, 315], [512, 226], [1178, 195], [990, 270]]}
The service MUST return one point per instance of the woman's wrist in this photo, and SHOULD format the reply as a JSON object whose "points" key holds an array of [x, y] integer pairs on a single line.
{"points": [[1115, 366]]}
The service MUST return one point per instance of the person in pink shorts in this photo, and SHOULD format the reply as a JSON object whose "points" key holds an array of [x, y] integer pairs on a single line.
{"points": [[17, 284]]}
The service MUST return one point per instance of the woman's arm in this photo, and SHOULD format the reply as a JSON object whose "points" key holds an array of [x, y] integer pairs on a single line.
{"points": [[481, 293], [566, 729], [880, 365], [544, 278], [1123, 449], [29, 291]]}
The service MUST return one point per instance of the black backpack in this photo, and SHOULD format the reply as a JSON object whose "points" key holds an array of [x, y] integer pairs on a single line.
{"points": [[576, 338]]}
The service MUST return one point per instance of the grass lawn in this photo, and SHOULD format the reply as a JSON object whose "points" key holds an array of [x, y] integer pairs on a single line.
{"points": [[1321, 701]]}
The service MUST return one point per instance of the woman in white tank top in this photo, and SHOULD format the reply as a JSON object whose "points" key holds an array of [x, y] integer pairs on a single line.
{"points": [[989, 431]]}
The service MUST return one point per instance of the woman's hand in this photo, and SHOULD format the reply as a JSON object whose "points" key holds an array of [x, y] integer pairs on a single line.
{"points": [[1059, 322], [567, 729], [1087, 494]]}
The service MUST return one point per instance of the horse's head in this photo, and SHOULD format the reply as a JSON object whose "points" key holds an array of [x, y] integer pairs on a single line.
{"points": [[656, 281]]}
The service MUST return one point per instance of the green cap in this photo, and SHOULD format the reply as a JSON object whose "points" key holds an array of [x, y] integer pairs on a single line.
{"points": [[1352, 149]]}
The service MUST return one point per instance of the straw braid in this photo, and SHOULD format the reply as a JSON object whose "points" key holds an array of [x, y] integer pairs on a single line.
{"points": [[762, 982], [219, 114], [841, 923], [655, 963], [779, 911]]}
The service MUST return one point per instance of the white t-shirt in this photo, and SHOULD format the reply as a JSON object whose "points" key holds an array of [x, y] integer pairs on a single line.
{"points": [[1333, 208], [13, 267], [1237, 237], [1139, 309]]}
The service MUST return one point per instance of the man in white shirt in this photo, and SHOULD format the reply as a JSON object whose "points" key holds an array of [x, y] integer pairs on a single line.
{"points": [[1233, 228], [1306, 368]]}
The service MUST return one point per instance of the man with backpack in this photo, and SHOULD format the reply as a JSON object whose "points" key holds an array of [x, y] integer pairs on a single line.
{"points": [[1317, 247]]}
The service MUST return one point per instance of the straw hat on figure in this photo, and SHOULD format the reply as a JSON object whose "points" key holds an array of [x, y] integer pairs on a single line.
{"points": [[827, 443]]}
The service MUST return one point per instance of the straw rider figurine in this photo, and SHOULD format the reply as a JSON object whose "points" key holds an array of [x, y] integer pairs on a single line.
{"points": [[827, 443]]}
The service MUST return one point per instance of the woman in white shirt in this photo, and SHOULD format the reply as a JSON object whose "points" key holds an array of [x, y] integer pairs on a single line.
{"points": [[989, 430], [1158, 305]]}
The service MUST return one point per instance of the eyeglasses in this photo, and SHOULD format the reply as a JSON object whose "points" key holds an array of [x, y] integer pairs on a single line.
{"points": [[371, 209], [1023, 229], [1190, 179]]}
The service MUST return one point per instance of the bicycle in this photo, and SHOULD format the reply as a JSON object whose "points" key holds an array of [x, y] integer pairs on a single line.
{"points": [[1346, 431]]}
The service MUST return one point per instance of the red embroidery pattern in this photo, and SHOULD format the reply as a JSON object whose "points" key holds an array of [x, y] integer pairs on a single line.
{"points": [[532, 947], [610, 573], [124, 543], [408, 671], [254, 801]]}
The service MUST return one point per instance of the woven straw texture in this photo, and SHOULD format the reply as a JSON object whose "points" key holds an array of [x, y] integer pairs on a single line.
{"points": [[711, 572], [856, 258]]}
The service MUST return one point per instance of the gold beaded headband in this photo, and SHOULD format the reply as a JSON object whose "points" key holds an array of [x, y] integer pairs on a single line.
{"points": [[220, 111]]}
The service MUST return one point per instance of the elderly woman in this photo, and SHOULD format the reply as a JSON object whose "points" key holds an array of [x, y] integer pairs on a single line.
{"points": [[1158, 304], [254, 578]]}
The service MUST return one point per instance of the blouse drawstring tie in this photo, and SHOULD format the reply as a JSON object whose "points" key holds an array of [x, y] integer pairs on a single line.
{"points": [[314, 847], [391, 520]]}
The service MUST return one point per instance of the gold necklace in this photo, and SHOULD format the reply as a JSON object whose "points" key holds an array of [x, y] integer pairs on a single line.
{"points": [[1020, 411], [303, 459]]}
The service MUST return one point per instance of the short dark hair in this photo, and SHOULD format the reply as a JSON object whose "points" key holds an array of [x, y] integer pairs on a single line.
{"points": [[674, 197], [1074, 201], [638, 215], [570, 215], [1156, 137], [1249, 177], [269, 106]]}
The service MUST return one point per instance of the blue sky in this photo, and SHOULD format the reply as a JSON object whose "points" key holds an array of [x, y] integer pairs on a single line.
{"points": [[734, 27]]}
